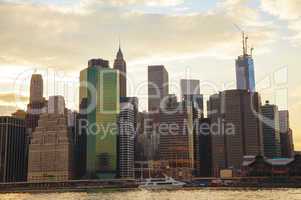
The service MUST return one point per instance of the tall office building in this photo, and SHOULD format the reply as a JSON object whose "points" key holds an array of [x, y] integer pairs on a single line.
{"points": [[158, 88], [51, 147], [37, 105], [126, 138], [189, 87], [12, 146], [176, 141], [80, 142], [236, 129], [271, 131], [141, 150], [191, 97], [286, 135], [100, 89], [152, 137], [120, 65], [36, 88], [204, 148], [245, 76]]}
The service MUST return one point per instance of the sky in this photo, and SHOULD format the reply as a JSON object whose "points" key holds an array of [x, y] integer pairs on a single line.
{"points": [[196, 39]]}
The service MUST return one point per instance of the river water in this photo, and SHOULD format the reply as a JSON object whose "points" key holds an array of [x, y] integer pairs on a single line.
{"points": [[208, 194]]}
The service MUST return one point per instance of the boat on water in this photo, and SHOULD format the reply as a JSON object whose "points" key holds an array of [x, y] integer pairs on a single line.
{"points": [[161, 183]]}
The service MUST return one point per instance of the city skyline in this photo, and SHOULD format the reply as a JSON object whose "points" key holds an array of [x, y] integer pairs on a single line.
{"points": [[192, 49]]}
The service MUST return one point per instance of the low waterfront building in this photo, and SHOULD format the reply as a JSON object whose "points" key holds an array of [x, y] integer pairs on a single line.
{"points": [[281, 167]]}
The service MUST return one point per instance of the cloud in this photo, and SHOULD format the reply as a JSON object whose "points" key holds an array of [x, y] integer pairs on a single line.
{"points": [[288, 10], [142, 2], [41, 36], [11, 98], [7, 110], [284, 9]]}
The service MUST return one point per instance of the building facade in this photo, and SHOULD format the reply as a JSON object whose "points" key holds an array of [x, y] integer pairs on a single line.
{"points": [[12, 150], [286, 135], [189, 87], [51, 147], [204, 148], [126, 139], [176, 146], [102, 114], [271, 131], [158, 88], [236, 129]]}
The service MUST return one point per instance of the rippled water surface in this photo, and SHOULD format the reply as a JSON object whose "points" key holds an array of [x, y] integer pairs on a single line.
{"points": [[208, 194]]}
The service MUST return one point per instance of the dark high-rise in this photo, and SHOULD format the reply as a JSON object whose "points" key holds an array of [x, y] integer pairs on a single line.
{"points": [[271, 132], [286, 135], [176, 144], [120, 65], [204, 148], [158, 89], [236, 129], [12, 150]]}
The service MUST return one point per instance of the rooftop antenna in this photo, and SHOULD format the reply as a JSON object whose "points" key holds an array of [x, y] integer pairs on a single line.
{"points": [[246, 45], [244, 39], [252, 49]]}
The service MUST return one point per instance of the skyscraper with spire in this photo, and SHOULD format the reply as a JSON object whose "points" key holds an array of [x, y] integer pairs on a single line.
{"points": [[120, 65], [245, 77]]}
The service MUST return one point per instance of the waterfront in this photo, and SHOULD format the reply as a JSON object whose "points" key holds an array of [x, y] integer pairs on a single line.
{"points": [[208, 194]]}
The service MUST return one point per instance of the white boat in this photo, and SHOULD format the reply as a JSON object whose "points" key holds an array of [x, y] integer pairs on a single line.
{"points": [[161, 183]]}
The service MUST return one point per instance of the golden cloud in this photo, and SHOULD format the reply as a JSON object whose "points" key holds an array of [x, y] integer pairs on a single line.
{"points": [[8, 98], [39, 35]]}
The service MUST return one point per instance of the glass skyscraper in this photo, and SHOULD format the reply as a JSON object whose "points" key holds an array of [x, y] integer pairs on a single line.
{"points": [[100, 89], [245, 77]]}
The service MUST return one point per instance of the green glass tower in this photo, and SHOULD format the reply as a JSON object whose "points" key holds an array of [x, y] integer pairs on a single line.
{"points": [[100, 89]]}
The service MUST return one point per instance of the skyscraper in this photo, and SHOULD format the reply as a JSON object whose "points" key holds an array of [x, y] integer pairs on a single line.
{"points": [[236, 129], [158, 88], [176, 141], [51, 148], [271, 132], [191, 97], [204, 148], [126, 138], [36, 88], [100, 89], [37, 105], [189, 87], [12, 155], [245, 77], [286, 135], [120, 65]]}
